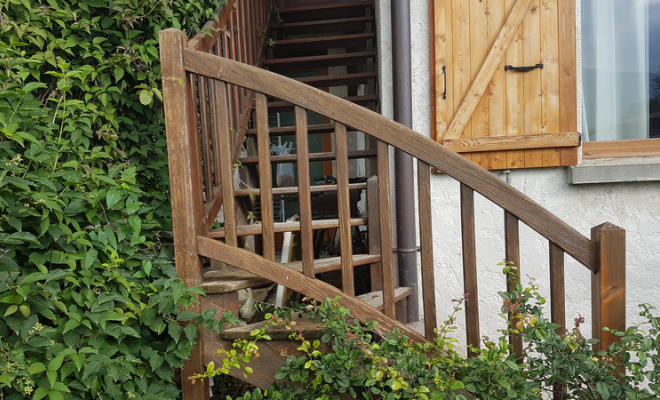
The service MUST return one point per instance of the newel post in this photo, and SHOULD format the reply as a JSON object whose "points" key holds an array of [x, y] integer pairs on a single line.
{"points": [[608, 283], [185, 191]]}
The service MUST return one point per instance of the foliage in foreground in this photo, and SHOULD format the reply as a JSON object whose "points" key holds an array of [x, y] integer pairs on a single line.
{"points": [[90, 306], [350, 359]]}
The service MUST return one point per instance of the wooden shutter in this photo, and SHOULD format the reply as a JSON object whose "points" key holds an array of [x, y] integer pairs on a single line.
{"points": [[505, 119]]}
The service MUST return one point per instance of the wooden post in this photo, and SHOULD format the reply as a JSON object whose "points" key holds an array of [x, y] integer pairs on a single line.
{"points": [[185, 172], [608, 283]]}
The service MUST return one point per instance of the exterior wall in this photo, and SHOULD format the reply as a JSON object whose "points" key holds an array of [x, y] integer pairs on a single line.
{"points": [[632, 206]]}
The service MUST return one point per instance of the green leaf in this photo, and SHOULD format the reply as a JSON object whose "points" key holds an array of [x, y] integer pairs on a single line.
{"points": [[36, 368], [10, 310], [40, 393], [146, 97]]}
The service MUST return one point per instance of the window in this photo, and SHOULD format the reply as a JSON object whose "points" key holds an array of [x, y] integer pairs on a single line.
{"points": [[621, 77]]}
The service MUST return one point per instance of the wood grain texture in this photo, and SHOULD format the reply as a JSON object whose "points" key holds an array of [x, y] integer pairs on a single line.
{"points": [[621, 149], [557, 288], [471, 287], [485, 74], [550, 77], [426, 248], [289, 226], [304, 195], [496, 92], [265, 178], [385, 208], [514, 94], [512, 255], [495, 143], [186, 193], [373, 214], [461, 68], [344, 208], [567, 75], [207, 161], [608, 295], [294, 189], [375, 299], [226, 161], [294, 280], [491, 187], [440, 13], [533, 100]]}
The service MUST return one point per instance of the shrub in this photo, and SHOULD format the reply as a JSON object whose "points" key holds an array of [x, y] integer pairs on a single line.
{"points": [[89, 300]]}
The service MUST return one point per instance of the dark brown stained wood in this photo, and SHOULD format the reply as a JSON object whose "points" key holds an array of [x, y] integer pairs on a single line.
{"points": [[230, 284], [265, 179], [226, 161], [512, 255], [203, 41], [204, 130], [282, 331], [359, 40], [337, 25], [312, 157], [373, 214], [294, 190], [186, 192], [303, 284], [321, 12], [315, 62], [470, 267], [384, 207], [293, 226], [291, 130], [375, 299], [304, 195], [608, 285], [454, 165], [557, 291], [344, 207], [426, 248], [496, 143], [282, 106], [338, 80], [334, 263]]}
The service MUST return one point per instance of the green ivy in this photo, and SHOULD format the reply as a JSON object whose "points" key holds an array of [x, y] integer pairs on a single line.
{"points": [[90, 306]]}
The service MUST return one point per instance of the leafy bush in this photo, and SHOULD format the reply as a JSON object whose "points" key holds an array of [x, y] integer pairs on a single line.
{"points": [[349, 359], [89, 300]]}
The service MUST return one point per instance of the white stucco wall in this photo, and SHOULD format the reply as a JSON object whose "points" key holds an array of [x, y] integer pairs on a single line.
{"points": [[632, 206]]}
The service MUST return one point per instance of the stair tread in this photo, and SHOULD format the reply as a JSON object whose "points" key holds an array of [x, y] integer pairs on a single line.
{"points": [[345, 25], [323, 39], [361, 100], [291, 130], [338, 80], [294, 189], [312, 62], [289, 226], [319, 12], [375, 299], [326, 156], [311, 330]]}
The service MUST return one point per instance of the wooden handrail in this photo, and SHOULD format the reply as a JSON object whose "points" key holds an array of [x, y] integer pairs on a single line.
{"points": [[525, 209]]}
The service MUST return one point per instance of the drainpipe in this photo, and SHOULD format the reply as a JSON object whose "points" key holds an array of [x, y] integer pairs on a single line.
{"points": [[403, 162]]}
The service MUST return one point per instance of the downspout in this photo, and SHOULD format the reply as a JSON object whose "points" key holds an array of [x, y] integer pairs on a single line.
{"points": [[403, 162]]}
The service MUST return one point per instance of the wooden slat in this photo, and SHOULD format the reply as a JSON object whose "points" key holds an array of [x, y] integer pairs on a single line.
{"points": [[185, 192], [497, 88], [608, 284], [304, 195], [550, 77], [485, 74], [461, 69], [557, 285], [495, 143], [326, 156], [512, 255], [470, 267], [325, 11], [294, 190], [303, 284], [344, 207], [338, 25], [203, 41], [567, 75], [479, 12], [441, 35], [378, 126], [334, 263], [291, 130], [282, 106], [426, 247], [265, 178], [256, 229], [221, 111], [204, 131], [621, 148], [514, 94], [351, 79], [375, 298], [532, 80], [373, 214], [384, 207]]}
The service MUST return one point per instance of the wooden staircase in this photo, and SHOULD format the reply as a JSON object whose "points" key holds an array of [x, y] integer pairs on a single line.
{"points": [[219, 103]]}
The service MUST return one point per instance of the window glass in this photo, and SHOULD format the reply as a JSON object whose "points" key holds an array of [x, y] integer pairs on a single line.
{"points": [[621, 69]]}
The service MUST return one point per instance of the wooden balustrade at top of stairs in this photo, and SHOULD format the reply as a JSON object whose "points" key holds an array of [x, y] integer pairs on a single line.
{"points": [[209, 103]]}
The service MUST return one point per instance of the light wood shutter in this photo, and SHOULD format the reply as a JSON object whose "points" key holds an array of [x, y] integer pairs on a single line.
{"points": [[505, 119]]}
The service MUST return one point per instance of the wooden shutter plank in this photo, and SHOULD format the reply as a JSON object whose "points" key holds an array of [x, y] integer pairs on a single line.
{"points": [[485, 74], [461, 72], [442, 42], [478, 51], [522, 142], [532, 80], [550, 77], [567, 76], [497, 89], [514, 95]]}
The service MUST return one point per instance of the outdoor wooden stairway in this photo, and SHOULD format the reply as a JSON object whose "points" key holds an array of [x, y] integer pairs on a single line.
{"points": [[209, 101]]}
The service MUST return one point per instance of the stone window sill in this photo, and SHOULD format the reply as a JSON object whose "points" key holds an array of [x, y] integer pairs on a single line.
{"points": [[615, 170]]}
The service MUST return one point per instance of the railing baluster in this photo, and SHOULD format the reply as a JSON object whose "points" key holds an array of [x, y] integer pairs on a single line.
{"points": [[557, 292], [373, 215], [470, 267], [265, 182], [344, 207], [512, 255], [426, 247], [206, 142], [385, 228], [304, 194], [221, 111]]}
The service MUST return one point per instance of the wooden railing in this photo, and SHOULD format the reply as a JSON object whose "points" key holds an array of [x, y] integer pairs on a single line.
{"points": [[192, 172]]}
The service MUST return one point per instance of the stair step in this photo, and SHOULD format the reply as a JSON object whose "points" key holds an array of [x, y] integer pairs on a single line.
{"points": [[375, 299], [284, 47], [294, 189], [310, 329], [289, 226], [322, 12], [315, 62], [338, 80], [291, 130], [312, 157], [339, 25], [282, 106], [231, 280]]}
